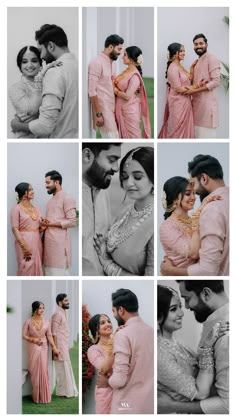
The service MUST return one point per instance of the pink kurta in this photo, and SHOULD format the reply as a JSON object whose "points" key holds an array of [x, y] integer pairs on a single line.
{"points": [[205, 104], [29, 230], [128, 112], [38, 361], [178, 116], [57, 240], [214, 236], [100, 76], [103, 396], [132, 379], [175, 241], [60, 329]]}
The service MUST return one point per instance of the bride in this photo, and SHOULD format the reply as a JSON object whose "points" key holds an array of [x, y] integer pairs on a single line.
{"points": [[131, 98], [128, 248]]}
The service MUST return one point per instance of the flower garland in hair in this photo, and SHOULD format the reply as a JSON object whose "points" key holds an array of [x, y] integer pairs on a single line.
{"points": [[17, 198], [164, 201], [168, 55], [140, 60]]}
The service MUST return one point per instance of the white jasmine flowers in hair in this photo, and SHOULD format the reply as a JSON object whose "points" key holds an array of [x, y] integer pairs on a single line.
{"points": [[17, 197], [140, 60], [164, 201], [168, 55]]}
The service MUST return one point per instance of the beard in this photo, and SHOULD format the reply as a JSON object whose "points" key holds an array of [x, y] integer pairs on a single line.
{"points": [[202, 192], [48, 58], [113, 55], [120, 321], [96, 175], [200, 51], [65, 306], [201, 311], [52, 190]]}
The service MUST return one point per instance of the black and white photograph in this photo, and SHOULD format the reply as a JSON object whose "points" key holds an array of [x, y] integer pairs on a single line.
{"points": [[42, 72], [193, 346], [118, 209]]}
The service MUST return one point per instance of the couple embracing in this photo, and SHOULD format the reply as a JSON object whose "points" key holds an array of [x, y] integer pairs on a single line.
{"points": [[118, 102]]}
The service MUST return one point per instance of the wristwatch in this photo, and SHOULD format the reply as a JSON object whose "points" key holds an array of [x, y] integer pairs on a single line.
{"points": [[99, 114]]}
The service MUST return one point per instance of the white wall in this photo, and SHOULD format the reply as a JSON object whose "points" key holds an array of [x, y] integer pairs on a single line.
{"points": [[135, 25], [172, 160], [22, 24], [29, 163], [181, 24], [14, 349], [20, 295], [190, 332]]}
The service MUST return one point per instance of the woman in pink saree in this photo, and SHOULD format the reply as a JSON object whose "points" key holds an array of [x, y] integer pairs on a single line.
{"points": [[101, 357], [25, 222], [179, 233], [37, 333], [131, 98], [178, 114]]}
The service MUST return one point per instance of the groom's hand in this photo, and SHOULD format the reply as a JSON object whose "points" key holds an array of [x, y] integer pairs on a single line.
{"points": [[166, 267], [164, 403], [102, 381]]}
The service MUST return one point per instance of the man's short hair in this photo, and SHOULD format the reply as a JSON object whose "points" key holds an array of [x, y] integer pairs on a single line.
{"points": [[55, 176], [96, 148], [51, 33], [60, 297], [125, 298], [113, 40], [205, 164], [200, 36], [217, 286]]}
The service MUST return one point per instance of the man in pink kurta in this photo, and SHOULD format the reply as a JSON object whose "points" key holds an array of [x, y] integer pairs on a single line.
{"points": [[100, 87], [66, 386], [204, 99], [132, 379], [207, 176], [60, 217]]}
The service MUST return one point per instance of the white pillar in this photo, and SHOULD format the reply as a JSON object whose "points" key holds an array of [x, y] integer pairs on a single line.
{"points": [[14, 332]]}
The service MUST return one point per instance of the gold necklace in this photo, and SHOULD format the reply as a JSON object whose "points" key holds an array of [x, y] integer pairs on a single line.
{"points": [[185, 221], [123, 74], [37, 323], [30, 210], [177, 63]]}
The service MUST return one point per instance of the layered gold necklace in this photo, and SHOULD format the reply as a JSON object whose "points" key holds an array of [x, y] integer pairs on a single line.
{"points": [[37, 323], [184, 221], [30, 210], [124, 74]]}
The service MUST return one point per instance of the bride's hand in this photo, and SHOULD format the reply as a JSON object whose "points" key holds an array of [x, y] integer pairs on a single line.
{"points": [[100, 247]]}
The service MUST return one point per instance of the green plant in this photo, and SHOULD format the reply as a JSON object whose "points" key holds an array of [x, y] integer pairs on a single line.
{"points": [[224, 77]]}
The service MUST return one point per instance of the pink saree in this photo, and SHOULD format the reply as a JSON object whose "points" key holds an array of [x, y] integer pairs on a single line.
{"points": [[38, 361], [178, 115], [128, 112], [29, 230]]}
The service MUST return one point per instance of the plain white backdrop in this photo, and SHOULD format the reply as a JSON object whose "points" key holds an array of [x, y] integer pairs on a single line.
{"points": [[29, 163], [22, 24], [181, 24], [172, 160]]}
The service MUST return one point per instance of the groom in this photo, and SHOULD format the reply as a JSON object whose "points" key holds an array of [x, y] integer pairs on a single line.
{"points": [[99, 164], [100, 87], [209, 302], [132, 378], [58, 114], [207, 177]]}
